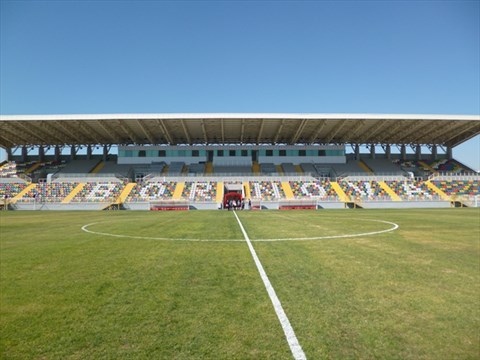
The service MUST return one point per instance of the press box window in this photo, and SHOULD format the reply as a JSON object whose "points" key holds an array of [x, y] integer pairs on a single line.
{"points": [[219, 152], [142, 153], [269, 153], [162, 153], [322, 153], [283, 152], [231, 153], [244, 152], [195, 153], [302, 152]]}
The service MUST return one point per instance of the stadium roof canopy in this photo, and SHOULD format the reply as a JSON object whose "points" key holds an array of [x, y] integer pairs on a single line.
{"points": [[174, 129]]}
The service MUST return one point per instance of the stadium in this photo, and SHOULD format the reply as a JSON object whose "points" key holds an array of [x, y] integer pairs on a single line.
{"points": [[277, 161], [363, 229]]}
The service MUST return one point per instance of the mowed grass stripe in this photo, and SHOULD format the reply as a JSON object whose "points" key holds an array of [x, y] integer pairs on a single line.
{"points": [[168, 226], [292, 340], [68, 294], [190, 226], [409, 294], [413, 293]]}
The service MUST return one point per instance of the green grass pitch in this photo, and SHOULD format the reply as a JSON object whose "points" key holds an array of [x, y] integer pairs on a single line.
{"points": [[152, 285]]}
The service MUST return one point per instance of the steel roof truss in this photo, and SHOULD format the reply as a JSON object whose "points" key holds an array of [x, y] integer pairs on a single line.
{"points": [[90, 132], [56, 130], [431, 136], [6, 143], [442, 132], [259, 135], [68, 131], [13, 135], [146, 132], [187, 135], [52, 133], [165, 131], [318, 131], [33, 134], [415, 129], [335, 131], [204, 131], [126, 129], [122, 129], [358, 139], [454, 140], [116, 137], [7, 140], [370, 139], [394, 129], [353, 131], [222, 125], [242, 131], [279, 130], [297, 134]]}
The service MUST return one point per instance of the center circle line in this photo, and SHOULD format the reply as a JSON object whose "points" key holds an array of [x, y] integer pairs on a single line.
{"points": [[394, 227]]}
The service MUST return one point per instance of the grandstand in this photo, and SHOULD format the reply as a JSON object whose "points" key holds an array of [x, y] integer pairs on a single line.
{"points": [[277, 161]]}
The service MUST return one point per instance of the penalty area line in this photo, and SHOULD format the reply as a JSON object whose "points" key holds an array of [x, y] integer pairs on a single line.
{"points": [[292, 340]]}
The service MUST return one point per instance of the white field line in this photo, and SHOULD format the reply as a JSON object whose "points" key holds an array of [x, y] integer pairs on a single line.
{"points": [[292, 340], [394, 227], [85, 228]]}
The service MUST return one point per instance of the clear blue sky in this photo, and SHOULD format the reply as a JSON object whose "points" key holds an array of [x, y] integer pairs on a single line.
{"points": [[61, 57]]}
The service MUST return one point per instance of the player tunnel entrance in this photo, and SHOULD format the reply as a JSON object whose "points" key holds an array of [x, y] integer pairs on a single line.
{"points": [[233, 192]]}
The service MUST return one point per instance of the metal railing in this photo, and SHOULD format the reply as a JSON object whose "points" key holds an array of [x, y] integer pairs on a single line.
{"points": [[450, 176], [82, 177], [237, 178]]}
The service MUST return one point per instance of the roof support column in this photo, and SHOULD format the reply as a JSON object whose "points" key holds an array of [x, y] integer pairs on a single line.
{"points": [[372, 151], [357, 152], [403, 152], [57, 153], [73, 152], [449, 153], [89, 152], [418, 153], [24, 154], [105, 152], [434, 152], [9, 153], [41, 153], [388, 152]]}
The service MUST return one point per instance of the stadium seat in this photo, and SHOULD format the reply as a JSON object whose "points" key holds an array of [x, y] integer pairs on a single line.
{"points": [[410, 189], [99, 192], [152, 191], [318, 189], [266, 190], [51, 193], [200, 191]]}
